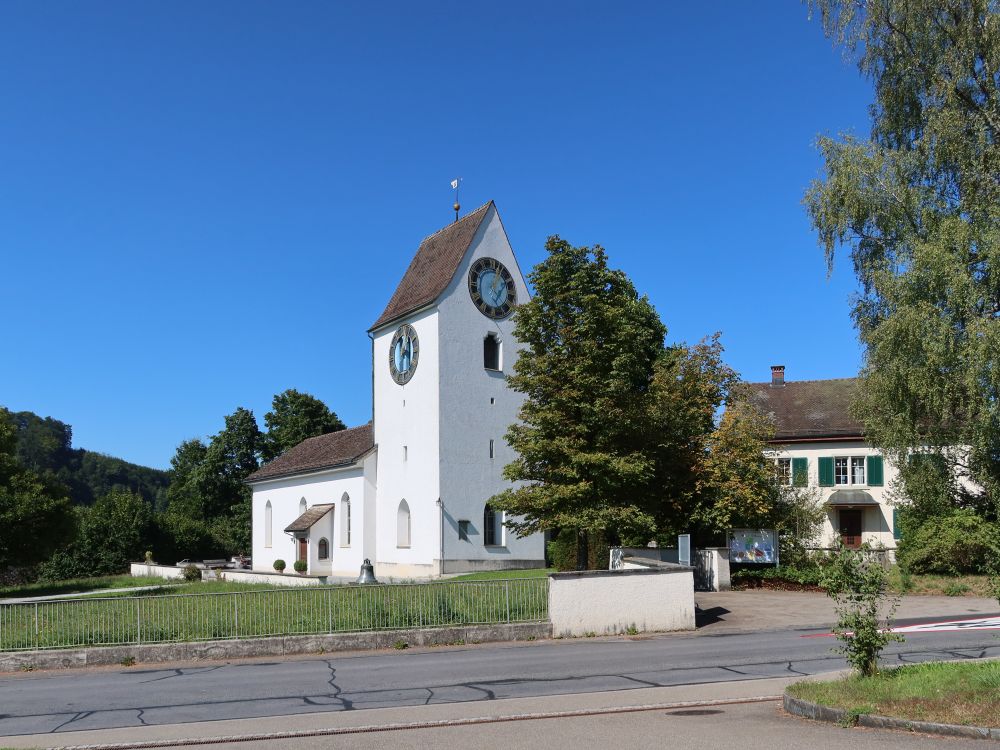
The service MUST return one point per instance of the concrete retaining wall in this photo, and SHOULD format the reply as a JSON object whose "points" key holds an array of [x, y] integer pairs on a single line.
{"points": [[275, 579], [152, 569], [278, 646], [612, 601]]}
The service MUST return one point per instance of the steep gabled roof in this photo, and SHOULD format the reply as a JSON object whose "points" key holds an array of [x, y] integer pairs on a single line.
{"points": [[308, 519], [324, 452], [809, 409], [433, 267]]}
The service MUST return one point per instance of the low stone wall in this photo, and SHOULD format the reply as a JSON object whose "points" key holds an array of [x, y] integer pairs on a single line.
{"points": [[605, 602], [152, 653], [152, 569], [275, 579]]}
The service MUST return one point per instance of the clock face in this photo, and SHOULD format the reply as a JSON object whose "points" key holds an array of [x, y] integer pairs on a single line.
{"points": [[403, 354], [492, 288]]}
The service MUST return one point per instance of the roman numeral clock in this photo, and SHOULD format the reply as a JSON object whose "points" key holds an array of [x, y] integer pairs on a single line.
{"points": [[492, 288]]}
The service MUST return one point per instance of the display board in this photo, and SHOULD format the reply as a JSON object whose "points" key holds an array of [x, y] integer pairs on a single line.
{"points": [[753, 546]]}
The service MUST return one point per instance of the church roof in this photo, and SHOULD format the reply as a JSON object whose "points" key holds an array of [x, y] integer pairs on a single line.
{"points": [[433, 267], [809, 409], [308, 519], [328, 451]]}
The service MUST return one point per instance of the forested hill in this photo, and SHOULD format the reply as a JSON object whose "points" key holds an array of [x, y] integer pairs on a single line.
{"points": [[44, 445]]}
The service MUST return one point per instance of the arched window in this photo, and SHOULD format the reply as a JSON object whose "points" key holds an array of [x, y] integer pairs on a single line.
{"points": [[323, 549], [403, 525], [267, 524], [491, 352], [302, 506], [491, 526], [345, 520]]}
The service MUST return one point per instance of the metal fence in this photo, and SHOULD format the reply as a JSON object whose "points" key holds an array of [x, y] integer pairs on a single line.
{"points": [[253, 614]]}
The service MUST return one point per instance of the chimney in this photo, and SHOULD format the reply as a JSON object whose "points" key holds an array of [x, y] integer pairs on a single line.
{"points": [[777, 375]]}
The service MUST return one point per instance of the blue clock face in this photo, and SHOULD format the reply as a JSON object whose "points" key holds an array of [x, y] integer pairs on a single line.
{"points": [[404, 351], [492, 288]]}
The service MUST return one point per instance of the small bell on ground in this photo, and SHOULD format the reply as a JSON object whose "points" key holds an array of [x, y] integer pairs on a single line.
{"points": [[367, 572]]}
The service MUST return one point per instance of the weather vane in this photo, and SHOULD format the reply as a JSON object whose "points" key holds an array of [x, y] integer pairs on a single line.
{"points": [[454, 186]]}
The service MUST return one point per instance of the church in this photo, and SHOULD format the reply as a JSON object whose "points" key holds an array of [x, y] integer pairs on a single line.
{"points": [[410, 489]]}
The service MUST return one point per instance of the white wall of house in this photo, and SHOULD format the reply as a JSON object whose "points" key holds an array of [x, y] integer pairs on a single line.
{"points": [[285, 496], [477, 407], [876, 521], [406, 433]]}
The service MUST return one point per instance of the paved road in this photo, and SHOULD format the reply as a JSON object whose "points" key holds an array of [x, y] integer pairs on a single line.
{"points": [[56, 702]]}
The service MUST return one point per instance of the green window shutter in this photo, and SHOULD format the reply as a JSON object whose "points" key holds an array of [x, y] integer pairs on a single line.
{"points": [[826, 471], [800, 472], [895, 525], [874, 471]]}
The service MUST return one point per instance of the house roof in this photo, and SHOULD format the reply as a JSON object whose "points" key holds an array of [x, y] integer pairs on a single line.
{"points": [[809, 409], [433, 267], [328, 451], [310, 517]]}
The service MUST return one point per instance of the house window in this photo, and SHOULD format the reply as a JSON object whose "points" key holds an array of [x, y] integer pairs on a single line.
{"points": [[403, 525], [302, 506], [345, 525], [491, 524], [783, 471], [267, 524], [491, 448], [840, 471], [406, 453], [463, 531], [858, 470], [324, 549], [491, 352], [849, 470]]}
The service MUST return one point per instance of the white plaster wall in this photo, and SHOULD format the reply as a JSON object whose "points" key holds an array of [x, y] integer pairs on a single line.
{"points": [[468, 419], [407, 415], [273, 578], [607, 602], [876, 522], [163, 571], [319, 488]]}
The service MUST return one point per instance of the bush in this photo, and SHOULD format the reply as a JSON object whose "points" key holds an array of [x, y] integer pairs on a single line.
{"points": [[300, 566], [192, 573], [279, 565], [959, 543], [803, 575], [562, 550]]}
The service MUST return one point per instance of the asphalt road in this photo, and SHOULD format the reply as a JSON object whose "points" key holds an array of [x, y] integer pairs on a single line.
{"points": [[55, 702]]}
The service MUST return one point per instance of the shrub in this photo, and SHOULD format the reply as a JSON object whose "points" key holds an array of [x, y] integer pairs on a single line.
{"points": [[300, 566], [279, 565], [192, 573], [961, 542], [804, 575], [562, 550]]}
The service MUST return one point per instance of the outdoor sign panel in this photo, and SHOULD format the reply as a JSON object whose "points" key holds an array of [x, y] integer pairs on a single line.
{"points": [[754, 546]]}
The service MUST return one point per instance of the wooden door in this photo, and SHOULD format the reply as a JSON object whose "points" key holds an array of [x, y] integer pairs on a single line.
{"points": [[303, 550], [850, 527]]}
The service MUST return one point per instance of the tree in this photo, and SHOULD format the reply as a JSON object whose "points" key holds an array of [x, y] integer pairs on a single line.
{"points": [[918, 204], [591, 343], [36, 516], [294, 417]]}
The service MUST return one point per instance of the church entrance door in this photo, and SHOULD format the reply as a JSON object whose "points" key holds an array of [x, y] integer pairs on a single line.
{"points": [[303, 550]]}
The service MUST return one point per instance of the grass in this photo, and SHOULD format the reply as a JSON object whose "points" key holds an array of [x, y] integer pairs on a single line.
{"points": [[494, 575], [950, 693], [77, 585], [223, 609], [941, 585]]}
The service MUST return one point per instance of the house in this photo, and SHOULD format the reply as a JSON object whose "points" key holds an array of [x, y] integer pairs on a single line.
{"points": [[409, 490], [817, 445]]}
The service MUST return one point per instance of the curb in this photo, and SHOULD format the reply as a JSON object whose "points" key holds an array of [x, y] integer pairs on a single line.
{"points": [[151, 653], [814, 711]]}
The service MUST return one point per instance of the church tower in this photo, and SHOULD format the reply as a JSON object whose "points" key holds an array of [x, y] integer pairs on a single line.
{"points": [[441, 351]]}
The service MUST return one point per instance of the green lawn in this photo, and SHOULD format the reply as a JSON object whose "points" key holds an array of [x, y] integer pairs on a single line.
{"points": [[950, 693], [503, 574], [77, 585]]}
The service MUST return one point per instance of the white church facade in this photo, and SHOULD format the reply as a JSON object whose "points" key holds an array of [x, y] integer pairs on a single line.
{"points": [[410, 490]]}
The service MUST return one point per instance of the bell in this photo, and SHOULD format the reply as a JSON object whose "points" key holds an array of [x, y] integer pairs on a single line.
{"points": [[367, 573]]}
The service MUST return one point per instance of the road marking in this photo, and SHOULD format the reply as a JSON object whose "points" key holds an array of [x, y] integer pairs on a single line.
{"points": [[944, 626], [332, 731]]}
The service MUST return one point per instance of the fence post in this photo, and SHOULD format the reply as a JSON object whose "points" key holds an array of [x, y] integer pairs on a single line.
{"points": [[506, 591], [36, 624], [236, 614], [138, 621]]}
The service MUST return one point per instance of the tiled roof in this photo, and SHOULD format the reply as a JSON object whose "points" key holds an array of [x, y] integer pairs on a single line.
{"points": [[809, 409], [433, 267], [324, 452], [311, 516]]}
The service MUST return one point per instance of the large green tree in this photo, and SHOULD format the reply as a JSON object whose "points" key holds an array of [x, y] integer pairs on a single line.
{"points": [[591, 343], [294, 417], [917, 205], [35, 515]]}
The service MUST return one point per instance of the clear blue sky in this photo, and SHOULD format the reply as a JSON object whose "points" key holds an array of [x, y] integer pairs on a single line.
{"points": [[203, 204]]}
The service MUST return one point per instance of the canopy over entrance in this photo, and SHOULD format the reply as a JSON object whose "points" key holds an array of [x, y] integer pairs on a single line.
{"points": [[308, 519], [851, 499]]}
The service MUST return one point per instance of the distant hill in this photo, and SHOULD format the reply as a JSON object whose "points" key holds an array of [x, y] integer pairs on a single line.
{"points": [[44, 444]]}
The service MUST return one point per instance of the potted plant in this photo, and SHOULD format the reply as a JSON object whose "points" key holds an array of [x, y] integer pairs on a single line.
{"points": [[279, 565], [300, 566]]}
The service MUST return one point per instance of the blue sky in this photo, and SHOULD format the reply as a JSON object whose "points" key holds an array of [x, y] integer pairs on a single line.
{"points": [[203, 204]]}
